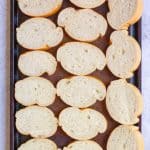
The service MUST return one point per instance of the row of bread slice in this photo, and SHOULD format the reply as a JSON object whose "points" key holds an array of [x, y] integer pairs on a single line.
{"points": [[123, 13], [123, 138], [123, 57], [82, 92]]}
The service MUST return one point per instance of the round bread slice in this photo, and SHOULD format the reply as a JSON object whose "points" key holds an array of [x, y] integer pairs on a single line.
{"points": [[87, 3], [83, 145], [124, 13], [36, 63], [36, 8], [83, 24], [123, 55], [81, 91], [125, 138], [126, 98], [38, 144], [82, 124], [35, 90], [39, 33], [36, 121], [81, 58]]}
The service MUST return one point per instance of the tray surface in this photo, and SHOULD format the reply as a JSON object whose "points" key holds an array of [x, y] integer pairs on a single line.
{"points": [[106, 76]]}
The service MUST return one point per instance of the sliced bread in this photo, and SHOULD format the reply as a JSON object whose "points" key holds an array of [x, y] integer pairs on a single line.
{"points": [[82, 24], [125, 138], [87, 3], [83, 145], [36, 63], [124, 13], [38, 144], [81, 91], [81, 58], [35, 90], [82, 124], [38, 8], [36, 121], [123, 55], [39, 33], [124, 102]]}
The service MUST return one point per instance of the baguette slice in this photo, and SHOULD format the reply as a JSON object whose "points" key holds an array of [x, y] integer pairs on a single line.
{"points": [[81, 91], [35, 90], [38, 144], [126, 98], [36, 121], [81, 58], [39, 33], [82, 124], [36, 63], [124, 13], [125, 138], [83, 145], [123, 55], [87, 3], [36, 8], [83, 24]]}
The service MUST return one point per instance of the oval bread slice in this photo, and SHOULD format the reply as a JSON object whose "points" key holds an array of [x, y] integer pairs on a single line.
{"points": [[36, 63], [81, 91], [87, 3], [82, 24], [39, 33], [36, 8], [38, 144], [81, 58], [125, 138], [83, 145], [35, 90], [124, 13], [82, 124], [36, 121], [123, 55], [126, 98]]}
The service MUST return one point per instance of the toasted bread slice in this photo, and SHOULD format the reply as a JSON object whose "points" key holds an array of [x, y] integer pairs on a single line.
{"points": [[36, 121], [83, 24], [81, 58], [82, 124], [83, 145], [36, 63], [123, 55], [87, 3], [125, 138], [126, 98], [39, 33], [35, 90], [81, 91], [124, 13], [36, 8], [38, 144]]}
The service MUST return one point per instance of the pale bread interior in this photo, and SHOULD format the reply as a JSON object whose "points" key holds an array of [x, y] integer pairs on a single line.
{"points": [[124, 102], [36, 63], [35, 90], [82, 124], [39, 33], [87, 3], [39, 8], [83, 145], [38, 144], [82, 24], [36, 121], [123, 55], [81, 58], [81, 91]]}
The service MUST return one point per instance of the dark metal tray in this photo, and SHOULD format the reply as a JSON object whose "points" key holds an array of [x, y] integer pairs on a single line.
{"points": [[60, 137]]}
